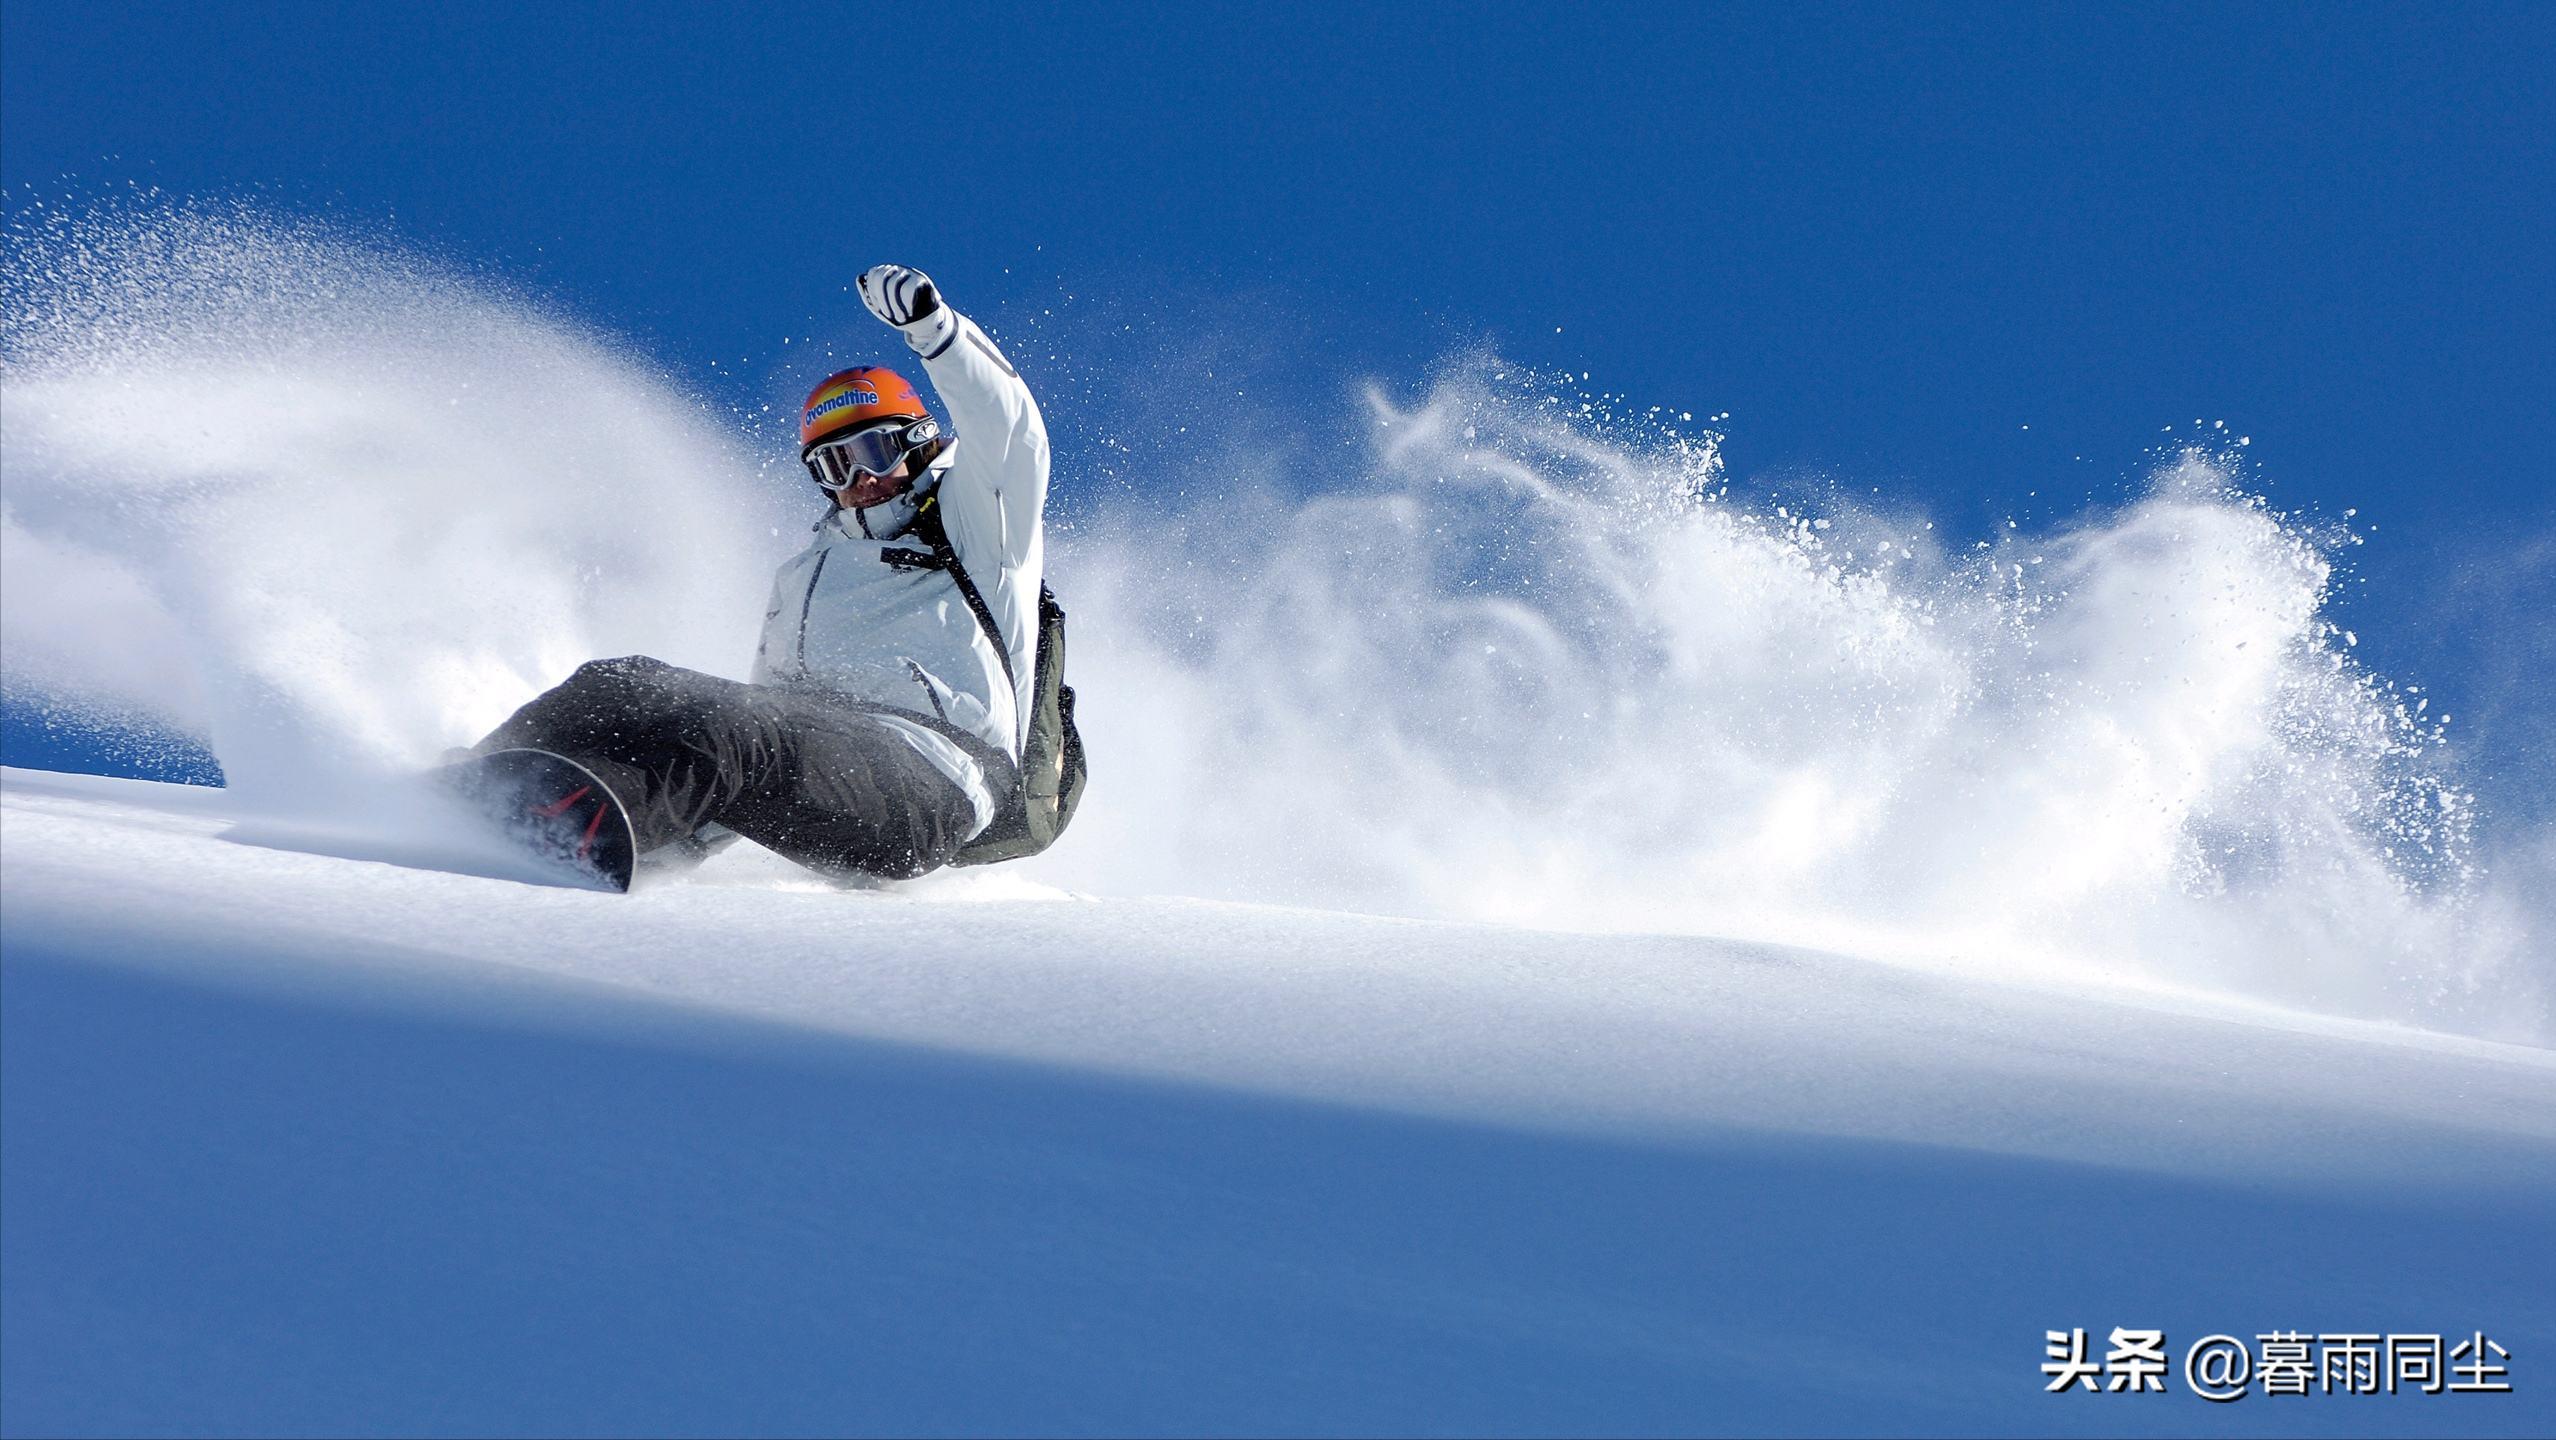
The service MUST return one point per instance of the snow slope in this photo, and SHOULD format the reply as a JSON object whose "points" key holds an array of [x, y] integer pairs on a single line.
{"points": [[1963, 899], [301, 1143]]}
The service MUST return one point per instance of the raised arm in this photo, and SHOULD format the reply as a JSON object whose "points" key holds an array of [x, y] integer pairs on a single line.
{"points": [[1002, 441]]}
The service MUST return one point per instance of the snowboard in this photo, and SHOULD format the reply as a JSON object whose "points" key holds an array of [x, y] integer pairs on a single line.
{"points": [[553, 807]]}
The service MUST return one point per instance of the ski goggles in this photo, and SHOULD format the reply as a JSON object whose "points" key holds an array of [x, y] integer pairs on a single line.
{"points": [[840, 462]]}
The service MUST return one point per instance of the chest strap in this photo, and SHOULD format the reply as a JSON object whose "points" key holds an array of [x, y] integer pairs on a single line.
{"points": [[944, 556]]}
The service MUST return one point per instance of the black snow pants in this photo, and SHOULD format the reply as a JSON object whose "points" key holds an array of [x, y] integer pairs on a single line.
{"points": [[821, 781]]}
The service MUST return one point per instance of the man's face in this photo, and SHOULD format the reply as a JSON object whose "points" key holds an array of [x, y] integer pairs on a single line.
{"points": [[870, 490]]}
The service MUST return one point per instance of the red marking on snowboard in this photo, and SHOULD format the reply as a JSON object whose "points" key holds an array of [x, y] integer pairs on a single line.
{"points": [[550, 812], [585, 833]]}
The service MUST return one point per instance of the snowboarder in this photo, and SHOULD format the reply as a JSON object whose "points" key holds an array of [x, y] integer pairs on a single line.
{"points": [[883, 727]]}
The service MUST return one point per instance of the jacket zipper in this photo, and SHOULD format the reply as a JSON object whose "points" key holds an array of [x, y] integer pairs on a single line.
{"points": [[809, 603]]}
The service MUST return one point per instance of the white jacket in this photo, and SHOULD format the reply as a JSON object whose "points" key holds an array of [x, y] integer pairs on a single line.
{"points": [[862, 613]]}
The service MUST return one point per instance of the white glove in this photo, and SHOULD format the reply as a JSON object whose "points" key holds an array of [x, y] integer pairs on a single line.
{"points": [[907, 300], [898, 295]]}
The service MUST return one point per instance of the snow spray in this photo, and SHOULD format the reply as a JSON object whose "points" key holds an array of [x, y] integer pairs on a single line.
{"points": [[336, 508], [1520, 662], [1537, 666]]}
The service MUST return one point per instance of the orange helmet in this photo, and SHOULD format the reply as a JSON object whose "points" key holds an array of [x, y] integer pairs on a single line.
{"points": [[849, 399]]}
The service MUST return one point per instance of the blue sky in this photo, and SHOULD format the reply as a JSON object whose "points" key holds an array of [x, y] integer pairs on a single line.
{"points": [[1884, 239]]}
